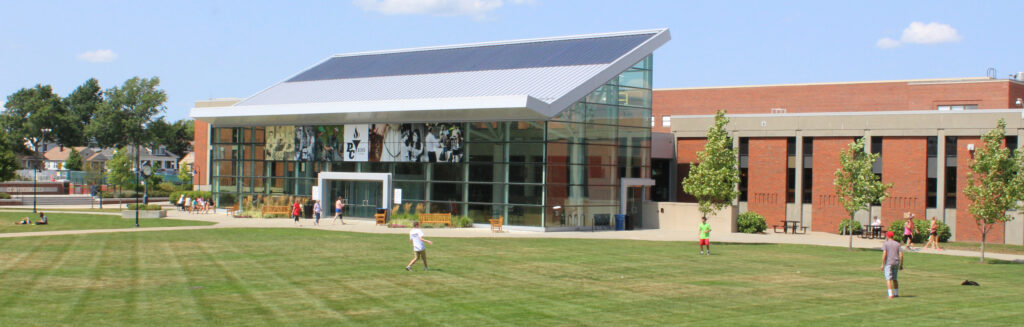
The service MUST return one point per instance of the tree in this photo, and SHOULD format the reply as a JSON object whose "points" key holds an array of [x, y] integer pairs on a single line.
{"points": [[82, 105], [185, 173], [28, 112], [123, 118], [713, 180], [994, 182], [74, 161], [856, 186], [119, 169], [8, 163]]}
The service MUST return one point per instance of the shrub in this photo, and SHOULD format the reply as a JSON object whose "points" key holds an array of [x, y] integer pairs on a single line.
{"points": [[857, 228], [4, 195], [145, 207], [920, 230], [462, 221], [751, 222]]}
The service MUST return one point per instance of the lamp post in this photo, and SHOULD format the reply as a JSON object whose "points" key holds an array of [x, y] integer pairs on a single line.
{"points": [[35, 176]]}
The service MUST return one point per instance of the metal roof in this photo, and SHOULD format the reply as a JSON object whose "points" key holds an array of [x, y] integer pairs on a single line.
{"points": [[512, 80]]}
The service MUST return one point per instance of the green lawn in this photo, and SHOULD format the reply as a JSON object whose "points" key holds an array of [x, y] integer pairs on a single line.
{"points": [[74, 221], [286, 277], [989, 247]]}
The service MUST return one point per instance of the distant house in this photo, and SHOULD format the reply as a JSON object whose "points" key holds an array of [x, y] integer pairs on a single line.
{"points": [[187, 160], [160, 159], [55, 157]]}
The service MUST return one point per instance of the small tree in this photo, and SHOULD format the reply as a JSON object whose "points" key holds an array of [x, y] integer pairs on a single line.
{"points": [[994, 182], [185, 174], [119, 169], [8, 163], [856, 186], [713, 180], [74, 161]]}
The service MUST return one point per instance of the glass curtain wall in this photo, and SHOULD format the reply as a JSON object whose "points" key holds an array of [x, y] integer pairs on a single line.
{"points": [[518, 170]]}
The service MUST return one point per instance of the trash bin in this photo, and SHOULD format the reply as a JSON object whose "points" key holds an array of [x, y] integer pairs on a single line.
{"points": [[620, 222], [382, 210]]}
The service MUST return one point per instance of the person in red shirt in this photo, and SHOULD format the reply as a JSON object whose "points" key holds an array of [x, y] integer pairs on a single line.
{"points": [[296, 212]]}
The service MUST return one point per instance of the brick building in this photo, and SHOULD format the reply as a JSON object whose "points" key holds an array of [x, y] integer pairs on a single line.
{"points": [[789, 138]]}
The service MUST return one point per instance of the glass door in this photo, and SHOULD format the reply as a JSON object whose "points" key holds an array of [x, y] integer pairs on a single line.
{"points": [[362, 198], [634, 207]]}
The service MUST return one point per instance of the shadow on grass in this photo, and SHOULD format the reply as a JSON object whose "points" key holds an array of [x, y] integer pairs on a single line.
{"points": [[1004, 262]]}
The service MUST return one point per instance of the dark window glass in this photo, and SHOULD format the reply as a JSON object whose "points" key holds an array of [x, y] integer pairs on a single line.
{"points": [[525, 194], [447, 172], [790, 146], [932, 199], [790, 185], [933, 146], [951, 188], [743, 184], [808, 184], [445, 192]]}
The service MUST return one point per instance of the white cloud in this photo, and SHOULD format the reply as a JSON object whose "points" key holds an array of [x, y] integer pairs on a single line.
{"points": [[930, 33], [886, 43], [477, 9], [921, 33], [105, 55]]}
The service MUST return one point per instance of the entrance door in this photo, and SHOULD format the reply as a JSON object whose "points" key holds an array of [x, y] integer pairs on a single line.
{"points": [[635, 206], [362, 198]]}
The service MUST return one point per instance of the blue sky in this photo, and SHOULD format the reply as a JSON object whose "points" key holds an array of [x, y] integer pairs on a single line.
{"points": [[212, 49]]}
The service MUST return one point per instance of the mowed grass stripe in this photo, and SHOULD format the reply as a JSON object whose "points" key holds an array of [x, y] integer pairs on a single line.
{"points": [[81, 299], [315, 277]]}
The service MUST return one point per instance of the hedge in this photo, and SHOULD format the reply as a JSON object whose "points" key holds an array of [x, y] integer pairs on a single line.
{"points": [[751, 222], [145, 207], [857, 228], [920, 230]]}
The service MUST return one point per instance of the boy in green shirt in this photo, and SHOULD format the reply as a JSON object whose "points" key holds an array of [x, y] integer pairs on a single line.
{"points": [[705, 234]]}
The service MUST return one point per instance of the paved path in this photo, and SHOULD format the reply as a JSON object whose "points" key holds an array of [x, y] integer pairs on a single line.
{"points": [[368, 226]]}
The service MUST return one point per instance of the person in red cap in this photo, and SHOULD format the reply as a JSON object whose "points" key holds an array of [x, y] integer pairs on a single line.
{"points": [[892, 262]]}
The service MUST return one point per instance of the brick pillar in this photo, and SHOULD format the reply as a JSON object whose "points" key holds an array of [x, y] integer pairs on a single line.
{"points": [[905, 165], [686, 153], [766, 184], [826, 211], [966, 226], [201, 147]]}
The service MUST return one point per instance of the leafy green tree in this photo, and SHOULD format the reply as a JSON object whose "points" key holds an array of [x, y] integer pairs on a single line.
{"points": [[185, 174], [74, 161], [82, 105], [120, 169], [855, 184], [994, 182], [123, 118], [713, 180], [8, 163], [28, 112]]}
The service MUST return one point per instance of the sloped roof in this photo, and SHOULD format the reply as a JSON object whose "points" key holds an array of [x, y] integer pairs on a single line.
{"points": [[61, 154], [510, 80]]}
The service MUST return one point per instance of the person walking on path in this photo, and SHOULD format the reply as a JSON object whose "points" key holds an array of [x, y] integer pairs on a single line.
{"points": [[704, 235], [418, 249], [296, 212], [892, 262], [338, 205], [908, 230], [316, 213], [933, 235]]}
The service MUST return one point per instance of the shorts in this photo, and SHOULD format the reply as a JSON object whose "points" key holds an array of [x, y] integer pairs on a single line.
{"points": [[705, 241], [317, 215], [337, 211], [296, 217], [890, 271]]}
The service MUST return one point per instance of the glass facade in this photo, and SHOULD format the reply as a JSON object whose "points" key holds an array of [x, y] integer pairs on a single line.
{"points": [[521, 170]]}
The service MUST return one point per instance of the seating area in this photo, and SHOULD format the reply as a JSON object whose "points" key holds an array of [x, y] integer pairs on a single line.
{"points": [[436, 218], [789, 226], [275, 210], [496, 224]]}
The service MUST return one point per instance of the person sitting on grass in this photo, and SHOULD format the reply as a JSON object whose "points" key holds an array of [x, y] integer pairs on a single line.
{"points": [[23, 221], [42, 219]]}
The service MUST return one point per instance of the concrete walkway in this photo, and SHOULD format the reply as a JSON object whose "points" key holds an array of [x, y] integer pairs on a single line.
{"points": [[363, 225]]}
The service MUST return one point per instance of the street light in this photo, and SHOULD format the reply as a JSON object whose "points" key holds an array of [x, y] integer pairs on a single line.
{"points": [[35, 176]]}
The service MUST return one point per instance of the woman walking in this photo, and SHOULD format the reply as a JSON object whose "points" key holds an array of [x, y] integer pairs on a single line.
{"points": [[933, 235], [316, 213], [296, 212], [908, 231]]}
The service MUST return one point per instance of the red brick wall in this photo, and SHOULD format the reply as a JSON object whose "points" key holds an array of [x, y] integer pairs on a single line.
{"points": [[826, 210], [966, 226], [687, 148], [881, 96], [1016, 90], [766, 190], [202, 151], [905, 165]]}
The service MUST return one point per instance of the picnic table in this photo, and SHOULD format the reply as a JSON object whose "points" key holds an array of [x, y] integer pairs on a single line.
{"points": [[789, 225], [872, 231]]}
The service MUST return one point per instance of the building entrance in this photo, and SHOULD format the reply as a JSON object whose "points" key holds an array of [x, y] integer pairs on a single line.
{"points": [[363, 192]]}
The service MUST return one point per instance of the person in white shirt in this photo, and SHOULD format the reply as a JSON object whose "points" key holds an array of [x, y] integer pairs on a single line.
{"points": [[433, 145], [416, 238]]}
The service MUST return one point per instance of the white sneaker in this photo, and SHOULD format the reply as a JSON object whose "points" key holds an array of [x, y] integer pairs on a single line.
{"points": [[701, 252]]}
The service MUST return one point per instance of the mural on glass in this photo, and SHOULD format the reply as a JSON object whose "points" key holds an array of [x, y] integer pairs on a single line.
{"points": [[280, 142]]}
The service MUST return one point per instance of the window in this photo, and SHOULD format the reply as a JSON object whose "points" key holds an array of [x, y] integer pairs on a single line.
{"points": [[958, 107], [666, 121], [652, 121]]}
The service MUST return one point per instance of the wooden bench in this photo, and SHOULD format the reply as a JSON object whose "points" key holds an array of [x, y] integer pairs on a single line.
{"points": [[276, 210], [381, 218], [232, 209], [496, 224], [436, 218]]}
